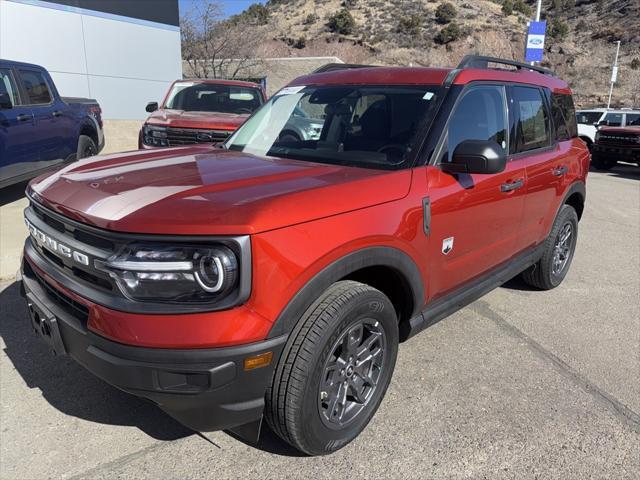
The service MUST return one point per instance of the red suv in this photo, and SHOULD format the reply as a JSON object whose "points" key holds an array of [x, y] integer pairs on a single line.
{"points": [[275, 277], [199, 111]]}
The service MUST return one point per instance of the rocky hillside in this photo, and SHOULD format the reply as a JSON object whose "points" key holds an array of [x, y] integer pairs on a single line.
{"points": [[435, 33]]}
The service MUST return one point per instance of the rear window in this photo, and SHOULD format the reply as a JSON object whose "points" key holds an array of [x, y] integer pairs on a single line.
{"points": [[36, 87], [202, 97], [633, 119], [564, 116], [613, 119], [532, 128]]}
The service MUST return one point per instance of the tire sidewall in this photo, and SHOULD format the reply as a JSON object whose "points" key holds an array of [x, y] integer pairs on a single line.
{"points": [[317, 437], [567, 215], [83, 142]]}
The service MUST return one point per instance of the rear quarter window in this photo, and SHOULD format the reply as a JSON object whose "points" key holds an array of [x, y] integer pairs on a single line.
{"points": [[564, 116]]}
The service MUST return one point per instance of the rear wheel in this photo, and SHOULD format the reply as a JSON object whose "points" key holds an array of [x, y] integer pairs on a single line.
{"points": [[335, 369], [602, 163], [559, 247], [86, 147]]}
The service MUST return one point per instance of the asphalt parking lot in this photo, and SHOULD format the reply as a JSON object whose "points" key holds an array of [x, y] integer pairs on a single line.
{"points": [[520, 384]]}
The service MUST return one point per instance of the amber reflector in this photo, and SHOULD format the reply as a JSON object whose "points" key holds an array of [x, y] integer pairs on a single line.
{"points": [[257, 361]]}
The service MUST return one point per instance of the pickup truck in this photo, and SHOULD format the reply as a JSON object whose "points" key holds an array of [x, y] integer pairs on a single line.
{"points": [[199, 111], [273, 278], [616, 144], [39, 129]]}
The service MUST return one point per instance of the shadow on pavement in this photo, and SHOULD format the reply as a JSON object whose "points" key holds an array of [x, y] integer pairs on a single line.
{"points": [[69, 387], [12, 193], [621, 171]]}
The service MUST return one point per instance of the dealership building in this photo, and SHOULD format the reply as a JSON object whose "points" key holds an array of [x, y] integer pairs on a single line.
{"points": [[123, 53]]}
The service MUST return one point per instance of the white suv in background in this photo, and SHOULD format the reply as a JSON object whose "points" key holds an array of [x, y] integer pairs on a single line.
{"points": [[589, 121]]}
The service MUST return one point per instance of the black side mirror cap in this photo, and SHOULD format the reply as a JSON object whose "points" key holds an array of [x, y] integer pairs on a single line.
{"points": [[5, 101], [151, 107], [477, 156]]}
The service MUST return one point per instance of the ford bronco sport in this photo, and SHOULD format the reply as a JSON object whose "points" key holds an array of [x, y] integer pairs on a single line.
{"points": [[275, 278]]}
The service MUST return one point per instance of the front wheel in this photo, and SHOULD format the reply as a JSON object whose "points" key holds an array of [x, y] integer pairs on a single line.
{"points": [[559, 247], [602, 163], [335, 369]]}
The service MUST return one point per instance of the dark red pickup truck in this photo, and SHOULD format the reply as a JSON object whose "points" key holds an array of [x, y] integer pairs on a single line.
{"points": [[275, 277], [199, 111]]}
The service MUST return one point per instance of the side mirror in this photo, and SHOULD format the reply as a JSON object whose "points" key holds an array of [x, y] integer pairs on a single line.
{"points": [[477, 156], [151, 107], [5, 101]]}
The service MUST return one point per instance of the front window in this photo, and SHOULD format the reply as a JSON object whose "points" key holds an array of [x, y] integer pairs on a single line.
{"points": [[206, 97], [588, 118], [364, 126]]}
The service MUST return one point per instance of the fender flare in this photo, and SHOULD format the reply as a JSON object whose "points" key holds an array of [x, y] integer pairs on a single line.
{"points": [[576, 187], [390, 257]]}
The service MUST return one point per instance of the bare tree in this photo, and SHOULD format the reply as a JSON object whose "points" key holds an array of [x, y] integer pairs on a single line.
{"points": [[215, 47]]}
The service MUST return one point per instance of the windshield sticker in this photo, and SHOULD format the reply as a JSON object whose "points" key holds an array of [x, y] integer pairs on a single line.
{"points": [[428, 96], [290, 90]]}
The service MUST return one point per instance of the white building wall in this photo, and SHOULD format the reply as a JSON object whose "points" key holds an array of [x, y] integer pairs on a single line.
{"points": [[121, 62]]}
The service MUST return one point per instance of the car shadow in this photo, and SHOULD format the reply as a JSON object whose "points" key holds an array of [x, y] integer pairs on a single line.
{"points": [[621, 170], [67, 386], [12, 193], [74, 391]]}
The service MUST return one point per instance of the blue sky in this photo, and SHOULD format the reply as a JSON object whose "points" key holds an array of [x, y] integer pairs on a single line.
{"points": [[231, 7]]}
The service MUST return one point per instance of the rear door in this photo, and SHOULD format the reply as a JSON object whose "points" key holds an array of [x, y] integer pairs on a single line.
{"points": [[50, 116], [475, 218], [546, 156], [17, 151]]}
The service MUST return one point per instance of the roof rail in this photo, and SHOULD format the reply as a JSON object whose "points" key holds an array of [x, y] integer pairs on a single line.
{"points": [[332, 67], [480, 61]]}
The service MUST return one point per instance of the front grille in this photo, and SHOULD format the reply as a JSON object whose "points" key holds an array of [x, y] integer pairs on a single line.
{"points": [[91, 243], [619, 139], [68, 304], [189, 136]]}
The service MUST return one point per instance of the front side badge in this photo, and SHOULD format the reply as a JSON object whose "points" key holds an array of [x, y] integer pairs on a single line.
{"points": [[447, 245]]}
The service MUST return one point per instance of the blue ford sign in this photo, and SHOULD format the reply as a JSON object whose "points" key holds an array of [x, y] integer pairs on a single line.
{"points": [[535, 41]]}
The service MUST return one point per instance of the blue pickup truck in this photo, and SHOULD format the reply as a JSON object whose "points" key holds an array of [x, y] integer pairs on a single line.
{"points": [[38, 128]]}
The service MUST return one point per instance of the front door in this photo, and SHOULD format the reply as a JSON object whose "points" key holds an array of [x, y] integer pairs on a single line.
{"points": [[475, 218], [17, 151]]}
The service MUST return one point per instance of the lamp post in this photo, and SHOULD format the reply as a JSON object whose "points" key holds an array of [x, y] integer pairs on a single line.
{"points": [[614, 74]]}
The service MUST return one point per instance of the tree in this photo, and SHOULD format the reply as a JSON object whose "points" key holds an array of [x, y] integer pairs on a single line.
{"points": [[507, 7], [342, 22], [635, 64], [559, 29], [445, 12], [448, 34], [214, 47]]}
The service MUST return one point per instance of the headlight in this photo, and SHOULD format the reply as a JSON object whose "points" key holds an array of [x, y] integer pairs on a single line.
{"points": [[184, 274], [155, 136]]}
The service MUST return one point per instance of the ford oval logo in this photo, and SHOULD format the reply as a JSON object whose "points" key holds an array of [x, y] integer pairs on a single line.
{"points": [[204, 137], [535, 41]]}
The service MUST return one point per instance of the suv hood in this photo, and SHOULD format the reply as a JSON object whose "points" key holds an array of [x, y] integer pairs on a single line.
{"points": [[200, 190], [203, 120]]}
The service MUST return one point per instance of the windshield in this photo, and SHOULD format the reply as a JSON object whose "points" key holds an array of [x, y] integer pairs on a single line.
{"points": [[588, 118], [206, 97], [365, 126]]}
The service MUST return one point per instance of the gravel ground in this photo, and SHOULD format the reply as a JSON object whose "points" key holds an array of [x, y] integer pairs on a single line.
{"points": [[520, 384]]}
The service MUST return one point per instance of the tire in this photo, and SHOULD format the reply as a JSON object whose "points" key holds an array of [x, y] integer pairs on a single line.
{"points": [[297, 408], [289, 136], [547, 273], [601, 163], [86, 147]]}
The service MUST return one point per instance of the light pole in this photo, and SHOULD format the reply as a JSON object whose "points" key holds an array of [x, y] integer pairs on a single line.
{"points": [[614, 75], [538, 10]]}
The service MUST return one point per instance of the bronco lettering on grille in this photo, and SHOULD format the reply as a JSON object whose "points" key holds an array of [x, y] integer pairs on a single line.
{"points": [[55, 246]]}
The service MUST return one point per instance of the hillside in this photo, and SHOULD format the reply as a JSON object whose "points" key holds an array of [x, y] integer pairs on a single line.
{"points": [[408, 32]]}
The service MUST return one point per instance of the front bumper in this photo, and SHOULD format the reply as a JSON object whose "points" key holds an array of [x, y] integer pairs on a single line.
{"points": [[622, 154], [204, 389]]}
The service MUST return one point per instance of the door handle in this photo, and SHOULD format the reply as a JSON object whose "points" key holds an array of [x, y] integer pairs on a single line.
{"points": [[560, 171], [511, 186], [23, 117], [57, 113]]}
